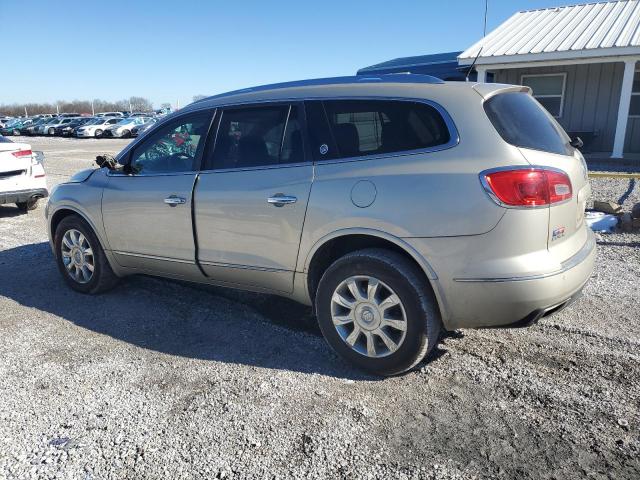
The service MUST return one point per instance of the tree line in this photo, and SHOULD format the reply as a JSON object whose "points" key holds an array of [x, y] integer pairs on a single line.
{"points": [[136, 104]]}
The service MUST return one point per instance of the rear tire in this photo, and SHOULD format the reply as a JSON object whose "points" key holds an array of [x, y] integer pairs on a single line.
{"points": [[411, 325], [52, 131], [28, 205], [98, 133], [126, 134], [77, 251]]}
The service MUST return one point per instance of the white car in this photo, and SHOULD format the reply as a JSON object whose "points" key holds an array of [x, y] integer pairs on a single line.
{"points": [[22, 177], [123, 128], [110, 114], [96, 127]]}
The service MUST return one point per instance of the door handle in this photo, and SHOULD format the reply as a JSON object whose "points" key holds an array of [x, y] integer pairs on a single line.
{"points": [[173, 200], [280, 200]]}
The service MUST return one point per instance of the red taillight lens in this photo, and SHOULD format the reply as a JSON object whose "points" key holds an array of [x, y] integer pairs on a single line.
{"points": [[530, 187], [22, 153]]}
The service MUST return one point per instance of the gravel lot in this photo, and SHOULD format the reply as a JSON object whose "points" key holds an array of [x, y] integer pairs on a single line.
{"points": [[158, 379]]}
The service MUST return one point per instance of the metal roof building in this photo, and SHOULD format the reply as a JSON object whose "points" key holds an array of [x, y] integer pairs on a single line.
{"points": [[580, 61]]}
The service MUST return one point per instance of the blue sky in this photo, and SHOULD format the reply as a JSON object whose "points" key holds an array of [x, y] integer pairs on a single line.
{"points": [[169, 51]]}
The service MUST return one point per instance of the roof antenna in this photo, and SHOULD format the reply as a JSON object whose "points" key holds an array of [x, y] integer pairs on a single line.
{"points": [[484, 34]]}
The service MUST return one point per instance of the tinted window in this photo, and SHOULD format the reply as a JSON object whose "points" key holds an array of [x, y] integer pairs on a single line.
{"points": [[256, 136], [370, 127], [175, 147], [522, 121], [322, 143]]}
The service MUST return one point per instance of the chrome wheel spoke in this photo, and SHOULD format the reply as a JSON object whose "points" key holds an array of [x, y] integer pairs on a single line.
{"points": [[397, 324], [342, 319], [391, 301], [353, 336], [371, 344], [355, 290], [372, 289], [77, 256], [391, 345], [375, 312], [341, 300]]}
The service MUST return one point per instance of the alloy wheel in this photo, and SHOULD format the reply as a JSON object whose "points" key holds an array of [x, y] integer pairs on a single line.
{"points": [[77, 256], [369, 316]]}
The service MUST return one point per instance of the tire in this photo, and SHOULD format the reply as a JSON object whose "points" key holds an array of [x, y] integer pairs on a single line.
{"points": [[16, 132], [125, 134], [102, 278], [52, 131], [97, 133], [28, 205], [394, 274]]}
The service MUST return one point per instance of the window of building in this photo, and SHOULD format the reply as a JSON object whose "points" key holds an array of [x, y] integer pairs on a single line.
{"points": [[634, 109], [548, 89], [370, 127]]}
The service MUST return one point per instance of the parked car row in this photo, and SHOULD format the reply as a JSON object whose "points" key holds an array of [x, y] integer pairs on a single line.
{"points": [[108, 124]]}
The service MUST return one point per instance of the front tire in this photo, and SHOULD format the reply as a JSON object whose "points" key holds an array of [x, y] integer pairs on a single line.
{"points": [[125, 134], [98, 133], [80, 257], [28, 205], [377, 310], [52, 131]]}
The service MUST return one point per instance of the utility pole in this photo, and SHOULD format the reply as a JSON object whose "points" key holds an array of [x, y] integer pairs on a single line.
{"points": [[93, 112], [25, 112], [57, 109]]}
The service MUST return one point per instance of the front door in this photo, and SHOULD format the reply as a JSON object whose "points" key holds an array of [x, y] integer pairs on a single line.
{"points": [[251, 201], [147, 211]]}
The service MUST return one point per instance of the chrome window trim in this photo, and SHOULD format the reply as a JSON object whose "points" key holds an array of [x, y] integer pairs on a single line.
{"points": [[487, 188], [565, 266], [454, 137]]}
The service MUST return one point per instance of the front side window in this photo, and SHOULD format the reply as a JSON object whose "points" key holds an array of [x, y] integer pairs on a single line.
{"points": [[548, 90], [371, 127], [258, 136], [175, 147], [634, 109]]}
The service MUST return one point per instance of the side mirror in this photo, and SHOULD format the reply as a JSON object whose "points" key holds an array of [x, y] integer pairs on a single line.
{"points": [[576, 142]]}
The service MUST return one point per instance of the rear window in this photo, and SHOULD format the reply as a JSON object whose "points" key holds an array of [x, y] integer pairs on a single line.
{"points": [[522, 121], [370, 127]]}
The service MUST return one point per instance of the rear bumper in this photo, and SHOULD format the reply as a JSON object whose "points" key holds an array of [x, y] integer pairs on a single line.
{"points": [[23, 195], [518, 301]]}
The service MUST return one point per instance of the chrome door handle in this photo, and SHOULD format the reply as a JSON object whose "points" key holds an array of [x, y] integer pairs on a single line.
{"points": [[280, 200], [173, 200]]}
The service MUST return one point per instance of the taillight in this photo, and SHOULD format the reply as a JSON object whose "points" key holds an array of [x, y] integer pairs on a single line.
{"points": [[527, 187], [22, 153]]}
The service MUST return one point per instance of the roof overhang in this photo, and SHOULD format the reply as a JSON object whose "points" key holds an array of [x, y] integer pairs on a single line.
{"points": [[596, 55]]}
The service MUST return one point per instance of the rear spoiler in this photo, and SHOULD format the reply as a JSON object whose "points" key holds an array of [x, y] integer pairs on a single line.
{"points": [[488, 90]]}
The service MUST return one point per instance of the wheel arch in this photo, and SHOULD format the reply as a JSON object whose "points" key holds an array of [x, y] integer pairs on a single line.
{"points": [[332, 246]]}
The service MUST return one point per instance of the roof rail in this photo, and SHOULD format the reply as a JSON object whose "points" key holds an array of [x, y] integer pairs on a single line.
{"points": [[385, 78]]}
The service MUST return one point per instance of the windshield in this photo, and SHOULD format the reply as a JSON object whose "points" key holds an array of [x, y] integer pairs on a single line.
{"points": [[522, 121]]}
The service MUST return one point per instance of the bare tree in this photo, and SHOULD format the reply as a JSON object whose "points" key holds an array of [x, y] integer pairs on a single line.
{"points": [[199, 97], [77, 106]]}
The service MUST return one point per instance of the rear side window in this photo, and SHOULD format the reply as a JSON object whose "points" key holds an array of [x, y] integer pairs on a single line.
{"points": [[522, 121], [258, 136], [372, 127]]}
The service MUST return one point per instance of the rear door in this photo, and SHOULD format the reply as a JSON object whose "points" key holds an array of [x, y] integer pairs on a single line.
{"points": [[147, 212], [251, 199], [523, 122]]}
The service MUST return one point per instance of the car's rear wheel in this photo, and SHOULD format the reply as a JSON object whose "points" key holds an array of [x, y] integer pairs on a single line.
{"points": [[376, 309], [98, 133], [80, 257], [126, 134], [28, 205]]}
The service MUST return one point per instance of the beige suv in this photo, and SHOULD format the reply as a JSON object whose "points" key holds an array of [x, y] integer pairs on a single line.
{"points": [[397, 206]]}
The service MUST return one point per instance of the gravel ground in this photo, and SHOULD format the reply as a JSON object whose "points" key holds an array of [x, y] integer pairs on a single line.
{"points": [[158, 379]]}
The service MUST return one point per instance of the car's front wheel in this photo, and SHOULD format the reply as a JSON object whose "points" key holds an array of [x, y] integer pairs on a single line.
{"points": [[80, 257], [28, 205], [376, 309], [52, 131]]}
